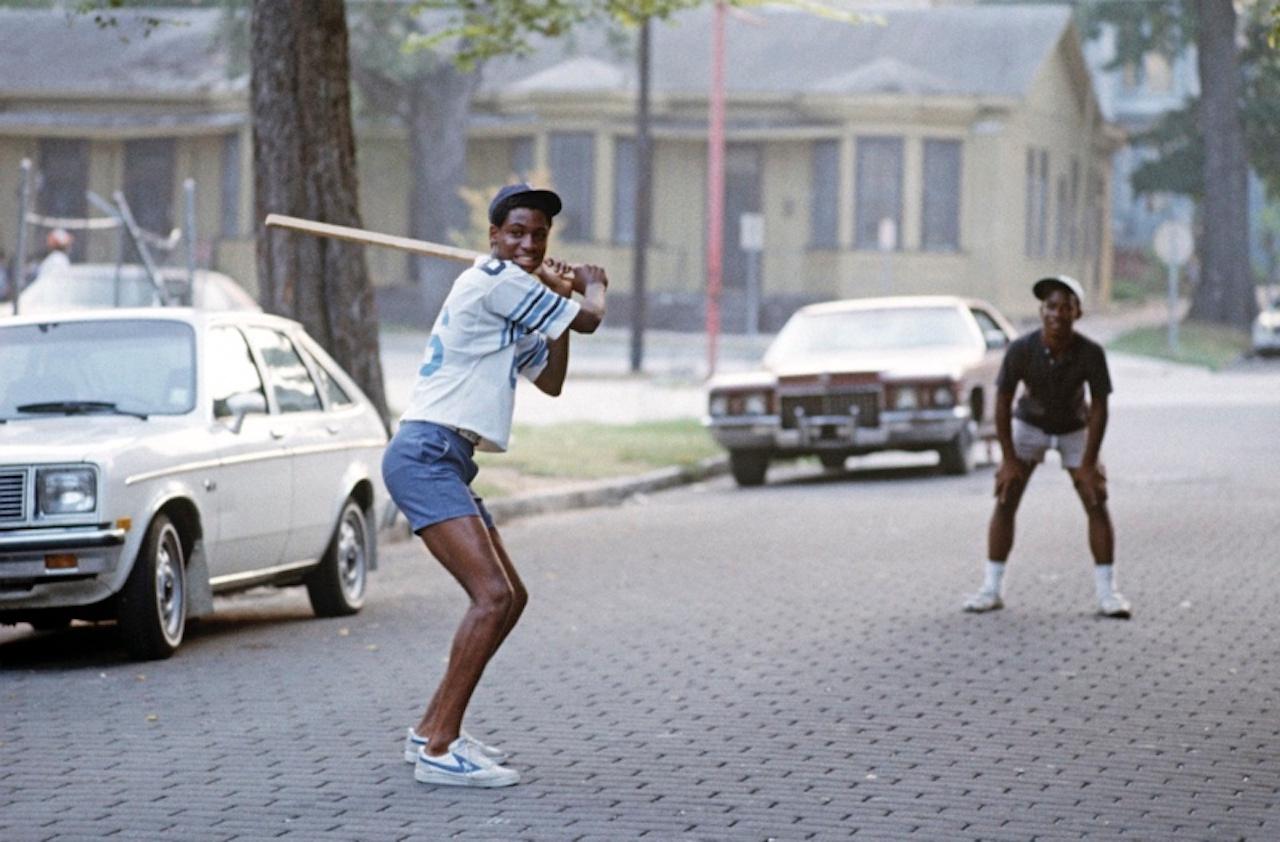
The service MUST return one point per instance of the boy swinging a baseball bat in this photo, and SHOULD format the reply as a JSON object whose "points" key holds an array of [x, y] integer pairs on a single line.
{"points": [[508, 315]]}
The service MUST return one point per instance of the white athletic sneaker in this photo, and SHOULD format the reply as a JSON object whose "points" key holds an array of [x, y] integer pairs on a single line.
{"points": [[1115, 605], [463, 765], [984, 600], [412, 742]]}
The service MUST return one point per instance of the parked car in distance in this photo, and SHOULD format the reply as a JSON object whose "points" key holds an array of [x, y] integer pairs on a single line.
{"points": [[1266, 332], [97, 285], [153, 457], [844, 378]]}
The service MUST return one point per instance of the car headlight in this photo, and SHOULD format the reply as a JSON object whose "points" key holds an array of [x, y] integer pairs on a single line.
{"points": [[943, 396], [905, 397], [719, 405], [756, 404], [66, 491]]}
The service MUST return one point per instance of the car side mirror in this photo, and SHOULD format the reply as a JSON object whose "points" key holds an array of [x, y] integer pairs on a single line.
{"points": [[995, 339], [243, 403]]}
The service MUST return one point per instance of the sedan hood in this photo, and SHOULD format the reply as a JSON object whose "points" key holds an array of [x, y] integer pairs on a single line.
{"points": [[82, 438], [892, 365]]}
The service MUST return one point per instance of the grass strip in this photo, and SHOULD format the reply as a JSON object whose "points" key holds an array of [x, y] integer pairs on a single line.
{"points": [[1208, 345], [545, 455]]}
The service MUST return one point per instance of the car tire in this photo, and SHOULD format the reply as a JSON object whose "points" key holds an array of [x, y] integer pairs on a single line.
{"points": [[336, 587], [957, 455], [832, 461], [152, 608], [748, 467], [50, 622]]}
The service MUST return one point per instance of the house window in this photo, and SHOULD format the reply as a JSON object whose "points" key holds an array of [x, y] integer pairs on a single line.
{"points": [[1063, 220], [625, 168], [1036, 219], [230, 223], [824, 212], [940, 224], [1073, 207], [522, 158], [64, 178], [878, 189], [573, 174], [148, 183]]}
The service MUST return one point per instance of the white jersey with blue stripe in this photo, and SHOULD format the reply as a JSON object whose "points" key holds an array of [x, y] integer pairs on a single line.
{"points": [[495, 324]]}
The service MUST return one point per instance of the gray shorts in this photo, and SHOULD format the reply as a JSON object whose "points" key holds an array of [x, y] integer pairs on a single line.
{"points": [[1030, 443]]}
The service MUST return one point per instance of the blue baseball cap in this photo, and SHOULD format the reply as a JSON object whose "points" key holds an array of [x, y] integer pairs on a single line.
{"points": [[522, 196], [1044, 286]]}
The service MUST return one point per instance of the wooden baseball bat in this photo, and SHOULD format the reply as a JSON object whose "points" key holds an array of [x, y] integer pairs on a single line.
{"points": [[371, 238], [374, 238]]}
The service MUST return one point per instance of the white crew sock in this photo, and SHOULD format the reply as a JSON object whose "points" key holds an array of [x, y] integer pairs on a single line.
{"points": [[994, 577], [1103, 580]]}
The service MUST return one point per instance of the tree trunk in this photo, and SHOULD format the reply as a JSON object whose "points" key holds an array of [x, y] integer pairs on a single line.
{"points": [[439, 104], [305, 165], [1225, 293]]}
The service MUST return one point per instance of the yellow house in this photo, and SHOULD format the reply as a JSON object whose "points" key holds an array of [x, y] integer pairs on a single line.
{"points": [[954, 149], [957, 150]]}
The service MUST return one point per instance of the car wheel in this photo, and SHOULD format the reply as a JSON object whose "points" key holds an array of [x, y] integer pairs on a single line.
{"points": [[50, 622], [337, 586], [748, 467], [957, 454], [832, 461], [153, 604]]}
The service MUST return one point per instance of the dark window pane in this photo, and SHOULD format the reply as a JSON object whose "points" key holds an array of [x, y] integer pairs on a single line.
{"points": [[231, 185], [824, 213], [148, 185], [879, 189], [64, 178], [573, 174], [625, 168], [940, 228], [522, 157]]}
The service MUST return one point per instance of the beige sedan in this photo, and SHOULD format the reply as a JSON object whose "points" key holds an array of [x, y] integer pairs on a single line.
{"points": [[844, 378]]}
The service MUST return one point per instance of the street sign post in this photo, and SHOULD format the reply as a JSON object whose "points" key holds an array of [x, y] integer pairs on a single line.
{"points": [[1174, 245]]}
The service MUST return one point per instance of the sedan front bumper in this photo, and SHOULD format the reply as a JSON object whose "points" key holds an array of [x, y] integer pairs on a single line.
{"points": [[32, 557], [896, 430]]}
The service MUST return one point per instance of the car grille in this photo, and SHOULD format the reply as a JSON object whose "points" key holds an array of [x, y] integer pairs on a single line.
{"points": [[866, 401], [13, 496]]}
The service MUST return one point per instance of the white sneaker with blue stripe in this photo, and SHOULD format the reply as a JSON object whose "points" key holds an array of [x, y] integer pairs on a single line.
{"points": [[463, 765], [412, 742]]}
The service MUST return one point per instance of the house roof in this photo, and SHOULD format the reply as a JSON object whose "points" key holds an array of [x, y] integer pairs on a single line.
{"points": [[47, 54], [943, 51]]}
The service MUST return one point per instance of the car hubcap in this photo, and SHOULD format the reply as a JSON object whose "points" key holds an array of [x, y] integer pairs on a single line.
{"points": [[351, 556], [168, 589]]}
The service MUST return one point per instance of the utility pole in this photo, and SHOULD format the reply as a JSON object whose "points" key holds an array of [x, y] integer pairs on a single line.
{"points": [[715, 185], [644, 202]]}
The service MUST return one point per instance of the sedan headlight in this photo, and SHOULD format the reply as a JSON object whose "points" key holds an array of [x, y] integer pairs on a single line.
{"points": [[943, 397], [719, 405], [756, 404], [66, 491], [905, 397]]}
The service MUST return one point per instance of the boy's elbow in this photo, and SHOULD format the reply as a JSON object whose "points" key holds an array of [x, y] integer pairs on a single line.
{"points": [[588, 322]]}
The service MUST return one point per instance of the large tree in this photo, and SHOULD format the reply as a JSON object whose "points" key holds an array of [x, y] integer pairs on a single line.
{"points": [[305, 165], [1208, 136]]}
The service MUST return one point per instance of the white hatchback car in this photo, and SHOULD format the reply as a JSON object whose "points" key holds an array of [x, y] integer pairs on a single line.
{"points": [[150, 458]]}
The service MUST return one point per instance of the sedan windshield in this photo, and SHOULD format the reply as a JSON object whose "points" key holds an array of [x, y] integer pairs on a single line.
{"points": [[136, 367], [882, 329]]}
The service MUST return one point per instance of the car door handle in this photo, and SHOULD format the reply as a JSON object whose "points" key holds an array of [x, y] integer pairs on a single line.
{"points": [[333, 429], [277, 434]]}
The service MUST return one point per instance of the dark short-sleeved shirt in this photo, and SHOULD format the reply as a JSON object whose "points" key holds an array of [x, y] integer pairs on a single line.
{"points": [[1053, 399]]}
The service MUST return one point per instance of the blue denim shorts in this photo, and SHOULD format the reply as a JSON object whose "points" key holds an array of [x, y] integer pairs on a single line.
{"points": [[428, 469]]}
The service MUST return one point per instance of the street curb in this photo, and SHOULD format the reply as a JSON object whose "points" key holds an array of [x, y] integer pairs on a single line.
{"points": [[609, 492]]}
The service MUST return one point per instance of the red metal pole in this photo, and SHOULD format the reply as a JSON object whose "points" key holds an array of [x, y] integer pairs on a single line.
{"points": [[715, 186]]}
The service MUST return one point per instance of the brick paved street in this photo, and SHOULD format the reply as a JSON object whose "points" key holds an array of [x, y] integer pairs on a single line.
{"points": [[712, 664]]}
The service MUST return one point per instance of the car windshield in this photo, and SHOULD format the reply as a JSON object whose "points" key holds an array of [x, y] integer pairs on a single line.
{"points": [[135, 366], [880, 329], [90, 286]]}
